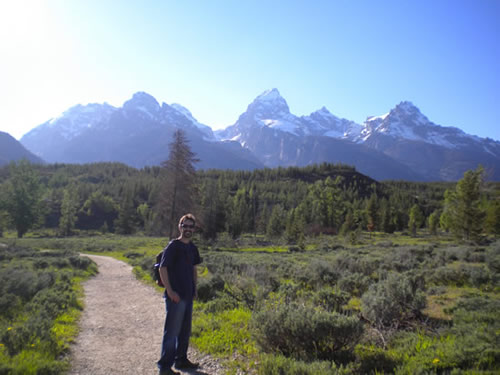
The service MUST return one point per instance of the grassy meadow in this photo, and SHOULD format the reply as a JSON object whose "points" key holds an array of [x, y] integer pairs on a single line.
{"points": [[362, 304]]}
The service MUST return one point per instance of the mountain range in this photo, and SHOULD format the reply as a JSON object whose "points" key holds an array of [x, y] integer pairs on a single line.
{"points": [[402, 144]]}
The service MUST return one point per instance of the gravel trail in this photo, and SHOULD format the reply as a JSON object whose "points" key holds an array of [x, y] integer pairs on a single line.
{"points": [[122, 325]]}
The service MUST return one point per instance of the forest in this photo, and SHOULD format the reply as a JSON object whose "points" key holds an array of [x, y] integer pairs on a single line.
{"points": [[306, 270], [282, 204]]}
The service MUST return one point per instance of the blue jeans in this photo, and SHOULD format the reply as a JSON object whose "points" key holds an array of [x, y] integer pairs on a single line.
{"points": [[176, 332]]}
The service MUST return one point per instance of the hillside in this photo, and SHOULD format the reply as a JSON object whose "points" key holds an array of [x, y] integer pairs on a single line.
{"points": [[13, 150]]}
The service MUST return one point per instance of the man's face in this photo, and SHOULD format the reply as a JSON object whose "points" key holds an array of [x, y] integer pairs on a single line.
{"points": [[187, 228]]}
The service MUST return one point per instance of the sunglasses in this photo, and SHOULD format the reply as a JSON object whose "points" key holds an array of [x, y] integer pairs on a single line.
{"points": [[187, 226]]}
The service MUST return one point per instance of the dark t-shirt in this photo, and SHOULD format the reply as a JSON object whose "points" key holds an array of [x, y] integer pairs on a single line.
{"points": [[179, 258]]}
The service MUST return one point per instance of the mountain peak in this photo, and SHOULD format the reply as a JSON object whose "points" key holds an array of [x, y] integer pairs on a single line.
{"points": [[407, 108], [269, 104], [142, 101], [269, 95], [323, 111]]}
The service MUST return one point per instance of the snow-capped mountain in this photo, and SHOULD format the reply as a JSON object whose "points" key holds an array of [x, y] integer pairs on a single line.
{"points": [[402, 144], [438, 152], [72, 122], [271, 110], [404, 135], [279, 138], [138, 134], [406, 122], [322, 122]]}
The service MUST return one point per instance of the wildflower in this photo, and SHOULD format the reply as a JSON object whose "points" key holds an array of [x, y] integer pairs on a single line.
{"points": [[10, 328], [435, 361]]}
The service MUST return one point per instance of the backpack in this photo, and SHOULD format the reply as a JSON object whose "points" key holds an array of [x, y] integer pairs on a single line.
{"points": [[156, 270]]}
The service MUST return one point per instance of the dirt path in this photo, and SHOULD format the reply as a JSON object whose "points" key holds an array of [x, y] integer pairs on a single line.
{"points": [[122, 325]]}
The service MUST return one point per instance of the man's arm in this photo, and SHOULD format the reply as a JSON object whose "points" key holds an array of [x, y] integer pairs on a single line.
{"points": [[195, 281], [172, 294]]}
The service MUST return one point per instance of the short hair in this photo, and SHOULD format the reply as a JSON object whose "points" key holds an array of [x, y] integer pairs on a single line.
{"points": [[187, 217]]}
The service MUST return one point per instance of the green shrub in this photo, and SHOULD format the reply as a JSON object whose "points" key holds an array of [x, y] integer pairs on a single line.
{"points": [[356, 263], [321, 272], [20, 281], [280, 365], [493, 258], [372, 358], [478, 276], [306, 333], [477, 327], [34, 292], [354, 283], [449, 276], [9, 304], [221, 303], [80, 262], [392, 301], [208, 287], [330, 299]]}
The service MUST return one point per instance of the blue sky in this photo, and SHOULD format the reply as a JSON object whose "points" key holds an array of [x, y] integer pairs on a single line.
{"points": [[358, 58]]}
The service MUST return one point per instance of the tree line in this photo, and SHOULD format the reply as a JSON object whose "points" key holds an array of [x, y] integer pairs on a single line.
{"points": [[286, 203]]}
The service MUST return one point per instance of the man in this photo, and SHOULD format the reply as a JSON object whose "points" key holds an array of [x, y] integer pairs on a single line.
{"points": [[178, 274]]}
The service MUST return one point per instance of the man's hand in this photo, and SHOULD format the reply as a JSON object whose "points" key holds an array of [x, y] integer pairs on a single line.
{"points": [[173, 296]]}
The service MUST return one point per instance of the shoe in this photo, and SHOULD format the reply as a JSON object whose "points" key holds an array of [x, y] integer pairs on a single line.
{"points": [[186, 363], [169, 371]]}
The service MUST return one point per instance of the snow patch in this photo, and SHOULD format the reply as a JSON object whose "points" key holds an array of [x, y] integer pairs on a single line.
{"points": [[373, 118], [282, 125], [269, 95]]}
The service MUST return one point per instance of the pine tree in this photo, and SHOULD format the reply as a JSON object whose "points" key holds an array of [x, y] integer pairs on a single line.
{"points": [[466, 217], [276, 222], [69, 208], [433, 222], [445, 219], [348, 224], [127, 214], [372, 211], [492, 222], [178, 190], [210, 205], [295, 226], [416, 219], [386, 217], [23, 197], [240, 213]]}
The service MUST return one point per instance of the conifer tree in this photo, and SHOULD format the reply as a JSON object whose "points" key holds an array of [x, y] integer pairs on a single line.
{"points": [[295, 226], [416, 219], [372, 211], [69, 208], [466, 216], [433, 222], [386, 217], [445, 219], [348, 224], [210, 206], [178, 188], [240, 213], [276, 222], [492, 223], [23, 196], [127, 214]]}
